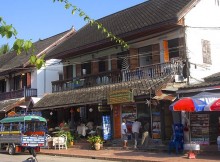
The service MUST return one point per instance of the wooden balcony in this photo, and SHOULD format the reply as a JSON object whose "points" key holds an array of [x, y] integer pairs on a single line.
{"points": [[26, 92], [111, 77]]}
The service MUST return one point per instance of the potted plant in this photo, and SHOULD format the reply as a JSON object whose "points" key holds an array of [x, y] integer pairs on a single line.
{"points": [[70, 137], [95, 141]]}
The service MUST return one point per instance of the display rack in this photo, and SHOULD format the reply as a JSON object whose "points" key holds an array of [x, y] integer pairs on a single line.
{"points": [[199, 124], [156, 125]]}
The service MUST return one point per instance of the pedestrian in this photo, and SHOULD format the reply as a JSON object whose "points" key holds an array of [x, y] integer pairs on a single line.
{"points": [[145, 134], [135, 130], [124, 132]]}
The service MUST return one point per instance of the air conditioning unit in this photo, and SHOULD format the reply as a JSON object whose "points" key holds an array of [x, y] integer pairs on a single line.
{"points": [[179, 78]]}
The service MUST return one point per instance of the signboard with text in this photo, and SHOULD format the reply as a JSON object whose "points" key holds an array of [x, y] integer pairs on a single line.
{"points": [[120, 96]]}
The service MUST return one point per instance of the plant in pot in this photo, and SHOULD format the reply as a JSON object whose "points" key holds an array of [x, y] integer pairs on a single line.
{"points": [[95, 141], [70, 137]]}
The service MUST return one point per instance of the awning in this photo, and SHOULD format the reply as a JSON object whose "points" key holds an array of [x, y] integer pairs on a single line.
{"points": [[8, 105], [96, 94], [165, 97], [162, 96], [207, 97]]}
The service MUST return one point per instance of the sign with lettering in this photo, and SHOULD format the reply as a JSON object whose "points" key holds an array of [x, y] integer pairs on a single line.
{"points": [[120, 96]]}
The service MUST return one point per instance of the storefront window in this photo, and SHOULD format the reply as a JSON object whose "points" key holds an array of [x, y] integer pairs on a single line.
{"points": [[143, 112]]}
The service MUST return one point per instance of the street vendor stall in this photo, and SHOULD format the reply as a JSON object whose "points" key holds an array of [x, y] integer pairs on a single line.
{"points": [[190, 105]]}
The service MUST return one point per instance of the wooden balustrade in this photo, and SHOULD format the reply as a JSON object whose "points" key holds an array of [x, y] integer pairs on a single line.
{"points": [[26, 92], [149, 71]]}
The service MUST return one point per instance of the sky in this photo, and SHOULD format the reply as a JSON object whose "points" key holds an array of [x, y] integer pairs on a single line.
{"points": [[40, 19]]}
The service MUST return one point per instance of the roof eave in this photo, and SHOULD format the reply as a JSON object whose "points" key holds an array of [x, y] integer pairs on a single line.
{"points": [[125, 36]]}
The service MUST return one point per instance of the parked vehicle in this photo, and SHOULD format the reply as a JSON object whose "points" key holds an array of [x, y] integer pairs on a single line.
{"points": [[22, 132]]}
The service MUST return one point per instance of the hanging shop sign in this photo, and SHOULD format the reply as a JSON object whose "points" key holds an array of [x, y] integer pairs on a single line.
{"points": [[120, 96]]}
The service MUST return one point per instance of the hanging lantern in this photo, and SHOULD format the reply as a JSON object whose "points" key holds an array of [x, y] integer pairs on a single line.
{"points": [[99, 106], [51, 113], [78, 109], [90, 110]]}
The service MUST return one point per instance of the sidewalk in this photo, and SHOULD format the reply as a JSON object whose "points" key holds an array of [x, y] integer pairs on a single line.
{"points": [[129, 155]]}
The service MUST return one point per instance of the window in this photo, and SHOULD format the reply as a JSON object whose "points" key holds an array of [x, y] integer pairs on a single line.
{"points": [[87, 68], [24, 80], [145, 55], [69, 72], [2, 86], [174, 48], [102, 66], [17, 82], [206, 52]]}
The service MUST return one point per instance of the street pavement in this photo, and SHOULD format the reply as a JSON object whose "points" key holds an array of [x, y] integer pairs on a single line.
{"points": [[130, 155], [44, 158]]}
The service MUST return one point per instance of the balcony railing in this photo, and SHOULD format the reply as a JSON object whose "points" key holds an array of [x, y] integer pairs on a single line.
{"points": [[150, 71], [26, 92]]}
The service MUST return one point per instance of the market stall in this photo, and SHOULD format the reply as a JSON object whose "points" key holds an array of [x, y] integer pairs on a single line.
{"points": [[190, 105]]}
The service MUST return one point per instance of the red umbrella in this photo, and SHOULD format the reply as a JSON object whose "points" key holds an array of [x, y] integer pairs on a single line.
{"points": [[188, 104], [213, 106]]}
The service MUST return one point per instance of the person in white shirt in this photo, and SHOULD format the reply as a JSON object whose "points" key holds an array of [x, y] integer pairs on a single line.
{"points": [[135, 130], [124, 133]]}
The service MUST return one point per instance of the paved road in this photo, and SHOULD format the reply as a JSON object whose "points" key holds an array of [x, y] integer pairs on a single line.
{"points": [[44, 158]]}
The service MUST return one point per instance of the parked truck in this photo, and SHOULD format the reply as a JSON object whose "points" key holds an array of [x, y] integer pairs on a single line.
{"points": [[22, 132]]}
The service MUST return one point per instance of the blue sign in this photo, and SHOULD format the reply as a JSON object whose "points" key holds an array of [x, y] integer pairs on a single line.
{"points": [[107, 132]]}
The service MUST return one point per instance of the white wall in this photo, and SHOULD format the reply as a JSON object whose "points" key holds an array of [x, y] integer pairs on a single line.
{"points": [[34, 79], [201, 23], [47, 74]]}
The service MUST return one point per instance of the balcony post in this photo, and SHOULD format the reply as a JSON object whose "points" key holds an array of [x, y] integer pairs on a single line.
{"points": [[24, 91]]}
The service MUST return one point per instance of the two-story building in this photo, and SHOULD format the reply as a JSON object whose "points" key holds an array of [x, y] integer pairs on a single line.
{"points": [[169, 41], [21, 82]]}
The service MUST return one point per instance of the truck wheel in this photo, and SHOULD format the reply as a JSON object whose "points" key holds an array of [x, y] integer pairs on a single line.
{"points": [[32, 152], [11, 150]]}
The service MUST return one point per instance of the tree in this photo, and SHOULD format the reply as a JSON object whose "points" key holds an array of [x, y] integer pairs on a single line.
{"points": [[4, 49]]}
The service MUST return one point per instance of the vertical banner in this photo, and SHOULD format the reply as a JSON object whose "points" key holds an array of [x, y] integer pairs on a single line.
{"points": [[107, 133], [117, 120], [166, 51]]}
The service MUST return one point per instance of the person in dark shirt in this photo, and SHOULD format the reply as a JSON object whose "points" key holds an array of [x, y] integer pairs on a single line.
{"points": [[145, 134]]}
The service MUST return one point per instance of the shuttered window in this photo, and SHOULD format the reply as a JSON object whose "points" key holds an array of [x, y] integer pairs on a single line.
{"points": [[206, 52]]}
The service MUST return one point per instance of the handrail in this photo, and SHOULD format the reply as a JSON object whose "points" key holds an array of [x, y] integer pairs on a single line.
{"points": [[26, 92], [111, 77]]}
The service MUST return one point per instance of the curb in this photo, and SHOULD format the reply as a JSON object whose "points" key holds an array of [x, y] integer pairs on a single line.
{"points": [[99, 158]]}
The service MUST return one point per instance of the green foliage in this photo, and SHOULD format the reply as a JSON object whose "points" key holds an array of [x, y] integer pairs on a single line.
{"points": [[95, 139], [6, 30], [4, 49], [70, 137], [20, 45]]}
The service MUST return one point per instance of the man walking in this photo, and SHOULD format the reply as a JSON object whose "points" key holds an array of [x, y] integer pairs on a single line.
{"points": [[135, 130], [145, 134], [124, 133]]}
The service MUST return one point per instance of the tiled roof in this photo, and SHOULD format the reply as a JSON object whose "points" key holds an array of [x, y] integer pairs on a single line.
{"points": [[95, 94], [210, 81], [7, 105], [143, 17], [213, 77], [12, 60], [201, 85]]}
